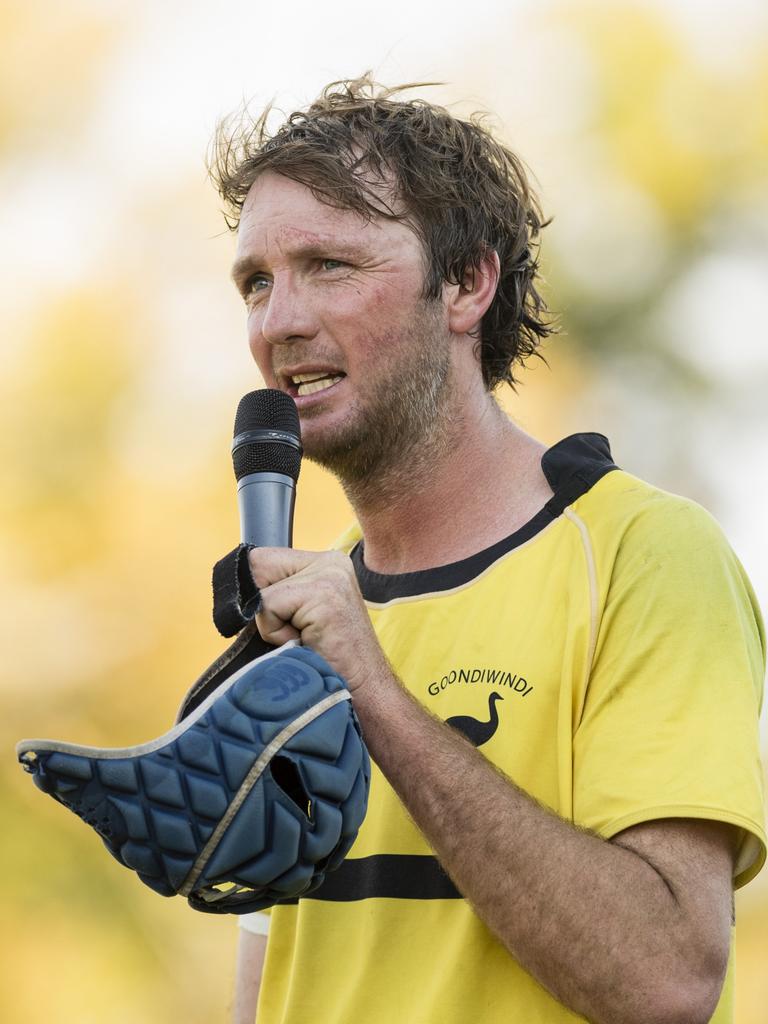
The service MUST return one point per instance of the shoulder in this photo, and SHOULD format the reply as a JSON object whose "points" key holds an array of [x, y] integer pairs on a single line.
{"points": [[666, 552], [625, 515], [613, 506]]}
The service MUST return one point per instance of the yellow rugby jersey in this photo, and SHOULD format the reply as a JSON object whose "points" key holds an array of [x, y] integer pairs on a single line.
{"points": [[608, 657]]}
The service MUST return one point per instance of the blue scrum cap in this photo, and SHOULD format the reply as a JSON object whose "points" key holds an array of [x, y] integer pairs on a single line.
{"points": [[247, 801]]}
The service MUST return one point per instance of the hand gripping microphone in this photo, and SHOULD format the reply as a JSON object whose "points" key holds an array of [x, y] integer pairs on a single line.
{"points": [[266, 454]]}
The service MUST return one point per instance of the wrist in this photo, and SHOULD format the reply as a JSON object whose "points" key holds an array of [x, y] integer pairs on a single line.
{"points": [[393, 724]]}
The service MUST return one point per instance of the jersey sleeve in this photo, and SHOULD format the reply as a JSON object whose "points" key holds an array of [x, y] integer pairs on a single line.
{"points": [[257, 923], [669, 725]]}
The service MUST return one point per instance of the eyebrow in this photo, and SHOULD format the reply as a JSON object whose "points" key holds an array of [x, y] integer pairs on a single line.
{"points": [[242, 266]]}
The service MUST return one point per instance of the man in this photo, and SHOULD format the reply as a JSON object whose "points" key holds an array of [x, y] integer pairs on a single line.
{"points": [[557, 667]]}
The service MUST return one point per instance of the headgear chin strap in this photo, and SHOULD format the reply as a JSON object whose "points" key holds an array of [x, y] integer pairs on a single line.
{"points": [[250, 799]]}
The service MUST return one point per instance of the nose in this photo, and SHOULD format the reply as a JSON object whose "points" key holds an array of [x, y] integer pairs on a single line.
{"points": [[286, 316]]}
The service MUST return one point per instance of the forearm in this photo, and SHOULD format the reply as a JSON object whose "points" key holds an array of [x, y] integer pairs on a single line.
{"points": [[593, 922], [251, 950]]}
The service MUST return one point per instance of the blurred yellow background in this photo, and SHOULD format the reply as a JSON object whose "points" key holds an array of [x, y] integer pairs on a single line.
{"points": [[124, 355]]}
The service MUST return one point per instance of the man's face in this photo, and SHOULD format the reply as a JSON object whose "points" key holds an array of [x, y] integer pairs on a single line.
{"points": [[336, 320]]}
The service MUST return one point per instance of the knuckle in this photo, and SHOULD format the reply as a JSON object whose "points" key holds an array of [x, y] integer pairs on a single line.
{"points": [[339, 560]]}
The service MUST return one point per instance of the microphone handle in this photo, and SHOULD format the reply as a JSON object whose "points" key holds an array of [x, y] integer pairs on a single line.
{"points": [[266, 502]]}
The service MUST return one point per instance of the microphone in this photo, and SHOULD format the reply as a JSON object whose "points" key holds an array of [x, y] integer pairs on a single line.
{"points": [[266, 455]]}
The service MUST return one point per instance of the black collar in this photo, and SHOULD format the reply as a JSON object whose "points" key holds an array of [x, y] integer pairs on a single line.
{"points": [[571, 467]]}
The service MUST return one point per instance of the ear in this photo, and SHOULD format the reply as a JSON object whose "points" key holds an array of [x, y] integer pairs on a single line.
{"points": [[468, 302]]}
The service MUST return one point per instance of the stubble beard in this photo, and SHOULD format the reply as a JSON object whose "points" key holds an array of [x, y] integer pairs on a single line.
{"points": [[398, 430]]}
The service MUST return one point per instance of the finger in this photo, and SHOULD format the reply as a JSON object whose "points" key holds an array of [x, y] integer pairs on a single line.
{"points": [[277, 633], [279, 604], [270, 565]]}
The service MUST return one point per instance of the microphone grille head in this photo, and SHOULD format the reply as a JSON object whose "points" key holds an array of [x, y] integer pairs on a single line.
{"points": [[262, 412], [267, 409], [266, 457]]}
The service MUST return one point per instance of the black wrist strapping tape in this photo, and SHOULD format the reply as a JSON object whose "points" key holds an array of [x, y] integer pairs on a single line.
{"points": [[236, 598]]}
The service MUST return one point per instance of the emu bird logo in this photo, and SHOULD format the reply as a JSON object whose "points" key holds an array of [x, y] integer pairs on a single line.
{"points": [[478, 732]]}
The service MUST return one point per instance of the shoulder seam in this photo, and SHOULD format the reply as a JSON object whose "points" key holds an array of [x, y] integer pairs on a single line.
{"points": [[589, 557]]}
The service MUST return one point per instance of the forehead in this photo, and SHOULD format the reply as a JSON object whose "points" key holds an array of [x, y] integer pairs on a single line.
{"points": [[283, 214]]}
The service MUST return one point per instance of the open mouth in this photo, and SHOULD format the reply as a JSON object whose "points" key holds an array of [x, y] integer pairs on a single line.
{"points": [[302, 384]]}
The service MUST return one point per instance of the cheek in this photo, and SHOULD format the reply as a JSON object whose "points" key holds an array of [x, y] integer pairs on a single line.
{"points": [[258, 346], [380, 313]]}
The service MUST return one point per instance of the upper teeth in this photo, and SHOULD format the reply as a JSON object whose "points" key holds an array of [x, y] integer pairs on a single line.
{"points": [[308, 383]]}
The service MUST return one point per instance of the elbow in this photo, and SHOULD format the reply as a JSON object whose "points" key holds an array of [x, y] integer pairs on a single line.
{"points": [[671, 996], [691, 1000], [682, 1005], [685, 1007]]}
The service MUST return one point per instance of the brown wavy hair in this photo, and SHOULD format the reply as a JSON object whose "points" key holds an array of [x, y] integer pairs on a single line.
{"points": [[461, 191]]}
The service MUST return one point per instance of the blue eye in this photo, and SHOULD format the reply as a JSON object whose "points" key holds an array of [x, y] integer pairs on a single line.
{"points": [[336, 264], [254, 285]]}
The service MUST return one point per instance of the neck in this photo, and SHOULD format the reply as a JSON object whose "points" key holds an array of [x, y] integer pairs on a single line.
{"points": [[474, 480]]}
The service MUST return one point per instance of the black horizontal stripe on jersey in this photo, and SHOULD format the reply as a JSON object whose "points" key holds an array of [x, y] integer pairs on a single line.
{"points": [[572, 467], [385, 876]]}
